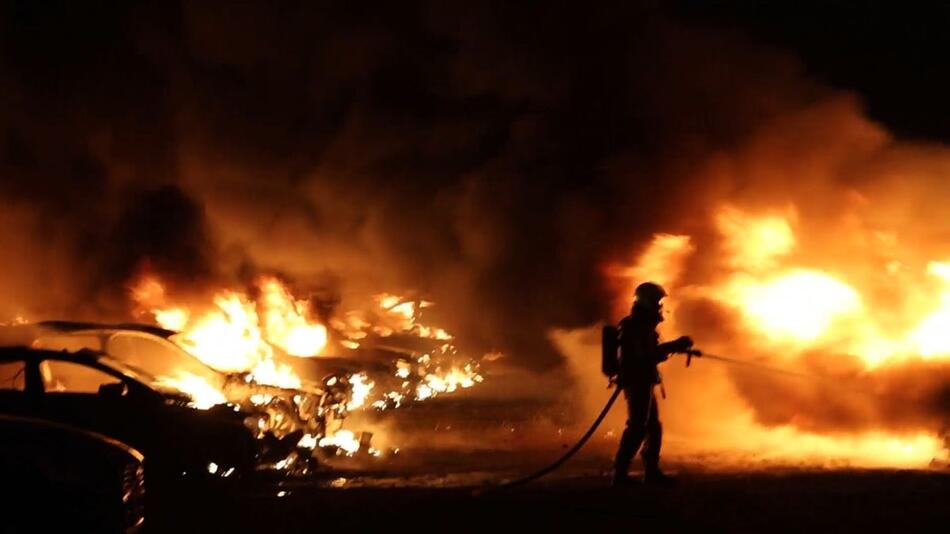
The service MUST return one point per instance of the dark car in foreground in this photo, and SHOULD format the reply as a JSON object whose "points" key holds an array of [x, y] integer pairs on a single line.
{"points": [[61, 478], [91, 391]]}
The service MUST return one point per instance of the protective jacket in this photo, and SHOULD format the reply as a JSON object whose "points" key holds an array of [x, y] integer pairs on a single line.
{"points": [[641, 350]]}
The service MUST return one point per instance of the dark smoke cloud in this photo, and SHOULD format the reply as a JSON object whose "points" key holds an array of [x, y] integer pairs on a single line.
{"points": [[491, 156]]}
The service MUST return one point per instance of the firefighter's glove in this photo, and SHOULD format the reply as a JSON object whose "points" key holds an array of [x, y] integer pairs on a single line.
{"points": [[682, 344]]}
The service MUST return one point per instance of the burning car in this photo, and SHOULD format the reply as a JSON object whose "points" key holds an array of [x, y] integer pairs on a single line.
{"points": [[280, 417], [250, 353], [277, 412]]}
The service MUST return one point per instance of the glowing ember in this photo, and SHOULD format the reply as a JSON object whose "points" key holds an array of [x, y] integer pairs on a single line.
{"points": [[361, 388], [261, 399], [425, 376], [308, 441], [447, 382], [429, 378], [345, 440], [17, 320], [403, 368], [398, 315]]}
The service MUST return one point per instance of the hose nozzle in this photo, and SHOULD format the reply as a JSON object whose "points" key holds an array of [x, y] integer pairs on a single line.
{"points": [[690, 353]]}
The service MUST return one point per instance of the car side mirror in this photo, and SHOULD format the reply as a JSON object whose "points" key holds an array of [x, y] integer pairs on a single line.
{"points": [[114, 390]]}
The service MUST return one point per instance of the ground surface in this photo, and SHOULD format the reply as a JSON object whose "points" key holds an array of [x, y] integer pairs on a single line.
{"points": [[577, 498]]}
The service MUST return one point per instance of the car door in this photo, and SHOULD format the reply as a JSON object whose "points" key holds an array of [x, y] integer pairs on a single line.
{"points": [[14, 399], [84, 396]]}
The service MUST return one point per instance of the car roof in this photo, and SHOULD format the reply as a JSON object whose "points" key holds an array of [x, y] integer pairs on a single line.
{"points": [[76, 326], [29, 353], [88, 357]]}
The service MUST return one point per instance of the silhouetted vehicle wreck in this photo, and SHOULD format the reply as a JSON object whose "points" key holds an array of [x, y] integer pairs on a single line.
{"points": [[72, 358], [94, 392], [59, 477]]}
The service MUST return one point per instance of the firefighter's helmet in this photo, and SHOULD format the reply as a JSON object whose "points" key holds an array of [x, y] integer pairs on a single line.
{"points": [[649, 293]]}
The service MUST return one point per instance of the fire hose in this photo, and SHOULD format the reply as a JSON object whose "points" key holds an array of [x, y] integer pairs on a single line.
{"points": [[567, 456], [746, 363], [690, 354], [815, 377], [577, 446]]}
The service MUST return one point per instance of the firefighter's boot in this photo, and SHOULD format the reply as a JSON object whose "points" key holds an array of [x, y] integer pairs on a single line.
{"points": [[653, 476], [623, 480]]}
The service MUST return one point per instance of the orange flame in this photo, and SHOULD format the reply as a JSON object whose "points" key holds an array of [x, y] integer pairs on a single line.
{"points": [[203, 395], [238, 333], [286, 323], [241, 333], [793, 303]]}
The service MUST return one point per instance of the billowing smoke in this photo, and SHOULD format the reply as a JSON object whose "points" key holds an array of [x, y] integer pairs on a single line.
{"points": [[450, 152], [494, 158]]}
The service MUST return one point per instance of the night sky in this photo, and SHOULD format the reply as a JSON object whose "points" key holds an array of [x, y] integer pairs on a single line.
{"points": [[891, 54]]}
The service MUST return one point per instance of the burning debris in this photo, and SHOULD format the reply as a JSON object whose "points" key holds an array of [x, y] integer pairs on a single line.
{"points": [[250, 336]]}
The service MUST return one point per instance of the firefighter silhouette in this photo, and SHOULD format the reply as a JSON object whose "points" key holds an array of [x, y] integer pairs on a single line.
{"points": [[636, 372]]}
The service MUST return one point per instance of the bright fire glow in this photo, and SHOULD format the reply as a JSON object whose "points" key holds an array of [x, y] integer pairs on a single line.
{"points": [[868, 449], [798, 305], [932, 335], [274, 374], [227, 338], [203, 395], [285, 322], [754, 242], [791, 299], [801, 308], [239, 333], [172, 318]]}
